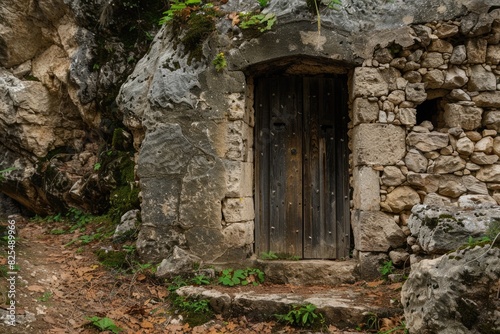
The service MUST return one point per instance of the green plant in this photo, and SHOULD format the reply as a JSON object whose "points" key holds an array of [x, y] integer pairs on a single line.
{"points": [[45, 297], [401, 328], [201, 280], [130, 249], [143, 268], [97, 166], [262, 22], [176, 7], [104, 324], [230, 277], [220, 62], [263, 3], [301, 316], [386, 269], [177, 282], [269, 255], [5, 171], [57, 231]]}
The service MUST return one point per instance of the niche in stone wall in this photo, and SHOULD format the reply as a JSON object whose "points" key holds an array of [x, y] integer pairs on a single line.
{"points": [[429, 110]]}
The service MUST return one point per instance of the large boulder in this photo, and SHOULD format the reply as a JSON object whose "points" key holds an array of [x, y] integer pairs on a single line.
{"points": [[443, 229], [456, 293]]}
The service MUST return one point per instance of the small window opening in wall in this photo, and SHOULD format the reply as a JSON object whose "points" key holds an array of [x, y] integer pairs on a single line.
{"points": [[428, 111]]}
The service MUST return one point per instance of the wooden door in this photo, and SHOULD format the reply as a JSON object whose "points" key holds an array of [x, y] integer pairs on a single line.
{"points": [[302, 193]]}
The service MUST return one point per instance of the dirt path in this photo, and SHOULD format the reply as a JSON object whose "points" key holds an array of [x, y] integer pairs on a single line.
{"points": [[58, 287]]}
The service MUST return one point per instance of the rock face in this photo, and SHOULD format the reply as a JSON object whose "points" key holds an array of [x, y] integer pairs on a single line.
{"points": [[442, 229], [455, 293], [56, 101]]}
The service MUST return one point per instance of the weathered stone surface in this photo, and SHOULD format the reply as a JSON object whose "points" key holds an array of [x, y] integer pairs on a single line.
{"points": [[416, 161], [369, 264], [239, 178], [427, 142], [366, 192], [446, 30], [489, 173], [493, 54], [179, 262], [472, 201], [392, 176], [364, 111], [491, 119], [238, 209], [427, 182], [396, 96], [378, 144], [375, 231], [481, 79], [129, 222], [434, 199], [438, 296], [496, 145], [314, 272], [401, 199], [484, 145], [465, 146], [474, 185], [239, 235], [459, 55], [433, 60], [476, 50], [434, 79], [441, 229], [369, 82], [487, 99], [455, 77], [466, 117], [399, 256], [408, 116], [451, 186], [415, 92], [481, 158], [448, 164], [459, 95]]}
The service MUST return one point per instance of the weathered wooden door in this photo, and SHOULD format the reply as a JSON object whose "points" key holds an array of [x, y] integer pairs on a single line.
{"points": [[302, 180]]}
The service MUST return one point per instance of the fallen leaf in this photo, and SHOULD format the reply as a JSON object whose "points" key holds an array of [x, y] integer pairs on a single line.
{"points": [[50, 320], [146, 324], [36, 288], [374, 284]]}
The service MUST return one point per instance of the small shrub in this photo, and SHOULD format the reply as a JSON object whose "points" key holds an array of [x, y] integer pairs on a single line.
{"points": [[230, 277], [104, 324], [220, 62], [386, 269], [301, 316]]}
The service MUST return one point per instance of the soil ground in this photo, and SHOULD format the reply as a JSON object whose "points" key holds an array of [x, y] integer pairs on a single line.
{"points": [[60, 286]]}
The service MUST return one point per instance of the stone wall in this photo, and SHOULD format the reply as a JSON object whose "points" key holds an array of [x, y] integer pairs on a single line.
{"points": [[425, 122], [423, 104]]}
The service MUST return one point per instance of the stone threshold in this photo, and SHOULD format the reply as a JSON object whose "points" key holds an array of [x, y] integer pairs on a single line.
{"points": [[342, 308]]}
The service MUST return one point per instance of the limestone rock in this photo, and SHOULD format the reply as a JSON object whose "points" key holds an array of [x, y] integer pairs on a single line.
{"points": [[451, 187], [415, 92], [441, 229], [483, 159], [399, 256], [433, 199], [416, 161], [433, 60], [476, 50], [459, 95], [481, 80], [491, 119], [366, 183], [401, 199], [447, 30], [459, 55], [408, 116], [179, 262], [129, 222], [238, 209], [489, 173], [448, 164], [496, 145], [434, 78], [474, 185], [378, 144], [493, 54], [427, 182], [463, 307], [466, 117], [472, 201], [455, 77], [484, 145], [375, 231], [427, 142], [369, 82], [487, 99], [392, 176], [364, 111], [465, 146]]}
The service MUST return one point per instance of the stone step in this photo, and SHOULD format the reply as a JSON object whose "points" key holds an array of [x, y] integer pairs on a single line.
{"points": [[341, 307]]}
